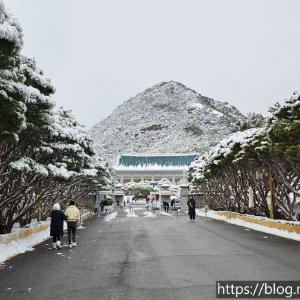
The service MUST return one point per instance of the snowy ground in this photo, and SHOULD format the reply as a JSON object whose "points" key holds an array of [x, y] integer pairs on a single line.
{"points": [[11, 248], [283, 233], [158, 258], [165, 214], [149, 214], [130, 213], [110, 217]]}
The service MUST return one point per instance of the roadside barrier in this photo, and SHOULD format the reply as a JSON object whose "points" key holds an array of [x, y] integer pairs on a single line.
{"points": [[24, 233], [278, 224]]}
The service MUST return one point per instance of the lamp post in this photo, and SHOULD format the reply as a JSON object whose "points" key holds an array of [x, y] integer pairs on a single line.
{"points": [[270, 194], [251, 197], [113, 189], [98, 202], [231, 205], [259, 176]]}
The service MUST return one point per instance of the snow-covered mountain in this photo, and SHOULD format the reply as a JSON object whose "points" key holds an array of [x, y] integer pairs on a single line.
{"points": [[168, 117]]}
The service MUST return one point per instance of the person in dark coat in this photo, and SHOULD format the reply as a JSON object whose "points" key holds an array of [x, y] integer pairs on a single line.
{"points": [[57, 225], [192, 208], [166, 206], [101, 206], [173, 203]]}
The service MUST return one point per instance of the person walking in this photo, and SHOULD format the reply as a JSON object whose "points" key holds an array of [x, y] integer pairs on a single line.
{"points": [[101, 206], [130, 208], [73, 215], [173, 203], [166, 206], [57, 225], [96, 211], [192, 208]]}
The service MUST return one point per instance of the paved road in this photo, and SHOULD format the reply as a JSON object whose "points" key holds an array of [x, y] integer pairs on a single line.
{"points": [[149, 258]]}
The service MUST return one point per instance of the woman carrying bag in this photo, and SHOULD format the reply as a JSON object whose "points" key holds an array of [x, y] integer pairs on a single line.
{"points": [[57, 225]]}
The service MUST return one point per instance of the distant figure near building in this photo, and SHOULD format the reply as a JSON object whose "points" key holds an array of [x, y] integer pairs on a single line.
{"points": [[101, 206], [192, 208], [57, 225], [166, 206], [73, 214], [173, 203], [96, 210]]}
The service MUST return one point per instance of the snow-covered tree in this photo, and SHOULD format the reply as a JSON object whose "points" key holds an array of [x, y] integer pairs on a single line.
{"points": [[138, 189], [45, 154], [284, 130], [274, 108], [252, 120], [12, 92], [228, 170], [63, 168]]}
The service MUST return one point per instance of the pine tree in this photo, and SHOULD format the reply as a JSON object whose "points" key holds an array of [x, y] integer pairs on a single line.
{"points": [[12, 94], [252, 120], [45, 154], [284, 130]]}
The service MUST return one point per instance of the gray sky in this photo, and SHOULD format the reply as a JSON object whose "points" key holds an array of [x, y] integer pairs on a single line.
{"points": [[99, 53]]}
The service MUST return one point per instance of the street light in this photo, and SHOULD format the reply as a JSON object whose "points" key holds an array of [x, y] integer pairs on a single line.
{"points": [[270, 194], [259, 176], [251, 197]]}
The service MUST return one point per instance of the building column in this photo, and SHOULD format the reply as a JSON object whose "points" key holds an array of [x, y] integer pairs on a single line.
{"points": [[173, 179], [131, 179]]}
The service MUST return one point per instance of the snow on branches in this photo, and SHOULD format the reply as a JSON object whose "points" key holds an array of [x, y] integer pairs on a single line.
{"points": [[229, 170], [138, 189], [284, 130], [46, 156], [137, 185], [10, 29], [231, 148]]}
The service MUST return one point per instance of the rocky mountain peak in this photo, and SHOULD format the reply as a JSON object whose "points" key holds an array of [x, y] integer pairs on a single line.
{"points": [[167, 117]]}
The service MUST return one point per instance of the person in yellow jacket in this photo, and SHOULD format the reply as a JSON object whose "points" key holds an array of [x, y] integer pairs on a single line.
{"points": [[73, 215]]}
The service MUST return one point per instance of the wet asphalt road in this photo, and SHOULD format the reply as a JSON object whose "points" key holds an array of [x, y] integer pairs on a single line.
{"points": [[149, 258]]}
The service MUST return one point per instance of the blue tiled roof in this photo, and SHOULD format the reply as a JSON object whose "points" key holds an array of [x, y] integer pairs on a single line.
{"points": [[163, 160]]}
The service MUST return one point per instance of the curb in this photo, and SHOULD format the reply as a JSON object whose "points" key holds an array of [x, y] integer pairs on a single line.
{"points": [[87, 216], [27, 232], [23, 233], [263, 222], [11, 243]]}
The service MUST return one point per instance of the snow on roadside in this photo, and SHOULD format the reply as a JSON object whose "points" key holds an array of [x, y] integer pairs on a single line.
{"points": [[257, 227], [165, 214], [149, 214], [110, 217], [131, 213], [13, 248]]}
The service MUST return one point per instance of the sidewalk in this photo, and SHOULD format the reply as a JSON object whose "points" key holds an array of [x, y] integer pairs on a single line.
{"points": [[22, 240], [282, 228]]}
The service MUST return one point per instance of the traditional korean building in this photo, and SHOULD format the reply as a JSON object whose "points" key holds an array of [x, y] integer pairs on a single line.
{"points": [[153, 167]]}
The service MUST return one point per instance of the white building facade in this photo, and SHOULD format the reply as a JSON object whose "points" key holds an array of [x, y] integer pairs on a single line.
{"points": [[152, 167]]}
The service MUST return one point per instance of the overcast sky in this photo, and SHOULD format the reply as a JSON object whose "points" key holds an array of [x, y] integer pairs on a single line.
{"points": [[99, 53]]}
